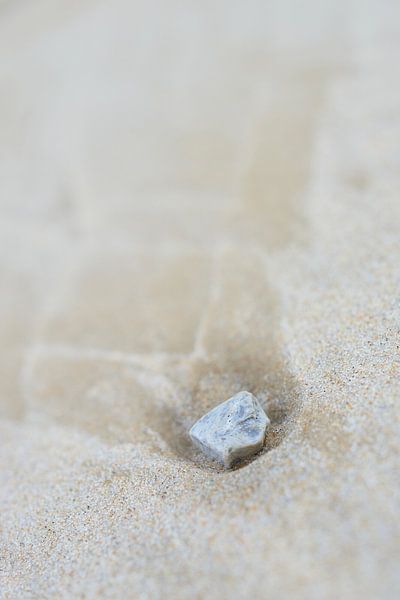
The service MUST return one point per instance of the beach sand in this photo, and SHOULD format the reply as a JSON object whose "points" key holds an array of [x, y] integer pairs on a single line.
{"points": [[198, 198]]}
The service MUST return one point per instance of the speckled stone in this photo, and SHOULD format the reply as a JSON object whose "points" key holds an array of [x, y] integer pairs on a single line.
{"points": [[232, 430]]}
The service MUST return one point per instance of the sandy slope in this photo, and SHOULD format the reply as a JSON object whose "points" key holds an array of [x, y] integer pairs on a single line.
{"points": [[199, 198]]}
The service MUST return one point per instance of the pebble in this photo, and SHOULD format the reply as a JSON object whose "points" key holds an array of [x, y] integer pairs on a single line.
{"points": [[232, 430]]}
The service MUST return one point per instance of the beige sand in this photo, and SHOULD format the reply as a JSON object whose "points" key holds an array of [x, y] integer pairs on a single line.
{"points": [[198, 198]]}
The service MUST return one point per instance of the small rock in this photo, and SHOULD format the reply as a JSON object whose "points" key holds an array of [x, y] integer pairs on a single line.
{"points": [[232, 430]]}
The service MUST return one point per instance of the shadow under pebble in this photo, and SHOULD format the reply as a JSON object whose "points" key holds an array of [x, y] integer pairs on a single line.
{"points": [[279, 397]]}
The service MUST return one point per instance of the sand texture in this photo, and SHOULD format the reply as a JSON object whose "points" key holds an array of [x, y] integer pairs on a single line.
{"points": [[198, 198]]}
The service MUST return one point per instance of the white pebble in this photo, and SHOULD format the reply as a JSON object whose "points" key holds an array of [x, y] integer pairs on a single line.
{"points": [[232, 430]]}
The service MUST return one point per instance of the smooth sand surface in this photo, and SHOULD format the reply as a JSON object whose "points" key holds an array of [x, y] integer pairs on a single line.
{"points": [[198, 198]]}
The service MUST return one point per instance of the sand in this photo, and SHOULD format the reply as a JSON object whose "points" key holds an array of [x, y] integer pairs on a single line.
{"points": [[198, 198]]}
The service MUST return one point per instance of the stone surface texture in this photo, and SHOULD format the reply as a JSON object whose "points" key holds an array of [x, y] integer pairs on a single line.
{"points": [[198, 198], [232, 430]]}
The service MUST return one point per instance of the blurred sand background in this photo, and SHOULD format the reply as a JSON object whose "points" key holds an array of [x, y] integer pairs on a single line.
{"points": [[197, 198]]}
